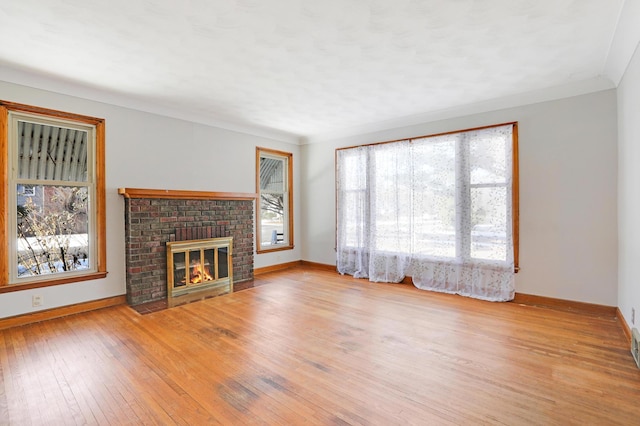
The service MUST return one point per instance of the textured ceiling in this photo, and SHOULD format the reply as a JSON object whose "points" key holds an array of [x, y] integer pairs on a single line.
{"points": [[302, 67]]}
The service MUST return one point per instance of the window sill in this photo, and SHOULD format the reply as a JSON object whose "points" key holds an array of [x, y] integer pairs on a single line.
{"points": [[270, 250], [48, 283]]}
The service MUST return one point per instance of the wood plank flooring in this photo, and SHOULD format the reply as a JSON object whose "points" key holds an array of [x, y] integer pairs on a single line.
{"points": [[312, 347]]}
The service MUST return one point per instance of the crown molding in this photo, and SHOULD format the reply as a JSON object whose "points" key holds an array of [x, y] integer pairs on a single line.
{"points": [[625, 41]]}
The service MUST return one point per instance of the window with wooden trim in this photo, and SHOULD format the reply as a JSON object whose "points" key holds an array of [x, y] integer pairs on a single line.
{"points": [[442, 208], [274, 184], [52, 165]]}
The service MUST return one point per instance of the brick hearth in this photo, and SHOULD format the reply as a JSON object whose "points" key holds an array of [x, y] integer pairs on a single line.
{"points": [[154, 217]]}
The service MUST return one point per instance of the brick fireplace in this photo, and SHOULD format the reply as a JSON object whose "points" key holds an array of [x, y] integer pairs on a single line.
{"points": [[155, 217]]}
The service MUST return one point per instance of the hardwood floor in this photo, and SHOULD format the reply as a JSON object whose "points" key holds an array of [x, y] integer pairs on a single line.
{"points": [[311, 347]]}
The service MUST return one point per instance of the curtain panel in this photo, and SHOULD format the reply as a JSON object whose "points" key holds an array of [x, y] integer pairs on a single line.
{"points": [[439, 209]]}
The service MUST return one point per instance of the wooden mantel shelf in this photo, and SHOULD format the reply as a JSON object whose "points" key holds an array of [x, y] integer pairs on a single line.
{"points": [[184, 195]]}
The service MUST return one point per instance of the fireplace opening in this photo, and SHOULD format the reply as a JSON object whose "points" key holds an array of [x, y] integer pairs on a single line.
{"points": [[196, 265]]}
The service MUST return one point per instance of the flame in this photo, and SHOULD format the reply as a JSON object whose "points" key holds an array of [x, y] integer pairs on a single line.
{"points": [[199, 274]]}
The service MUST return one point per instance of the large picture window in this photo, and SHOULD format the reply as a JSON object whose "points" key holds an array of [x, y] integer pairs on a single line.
{"points": [[53, 166], [442, 209], [274, 182]]}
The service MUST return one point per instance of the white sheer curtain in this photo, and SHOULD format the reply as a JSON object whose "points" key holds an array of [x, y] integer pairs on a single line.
{"points": [[437, 208]]}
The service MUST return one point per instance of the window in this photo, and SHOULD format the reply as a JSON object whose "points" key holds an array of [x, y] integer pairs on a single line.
{"points": [[274, 170], [53, 167], [439, 208], [26, 190]]}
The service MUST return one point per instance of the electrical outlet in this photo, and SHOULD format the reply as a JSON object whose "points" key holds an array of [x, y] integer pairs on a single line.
{"points": [[36, 300], [633, 315]]}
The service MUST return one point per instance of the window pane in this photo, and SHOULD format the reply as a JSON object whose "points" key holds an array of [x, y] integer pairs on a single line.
{"points": [[353, 221], [272, 219], [26, 190], [272, 174], [352, 182], [434, 198], [353, 170], [52, 230], [51, 153], [488, 159], [489, 223], [391, 194]]}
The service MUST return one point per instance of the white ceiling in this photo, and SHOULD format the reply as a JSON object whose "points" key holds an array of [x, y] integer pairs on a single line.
{"points": [[300, 69]]}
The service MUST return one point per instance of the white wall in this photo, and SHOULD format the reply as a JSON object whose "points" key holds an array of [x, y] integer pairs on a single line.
{"points": [[568, 204], [568, 172], [150, 151], [628, 191]]}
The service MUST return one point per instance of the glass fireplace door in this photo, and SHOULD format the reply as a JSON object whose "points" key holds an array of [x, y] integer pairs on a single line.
{"points": [[199, 264]]}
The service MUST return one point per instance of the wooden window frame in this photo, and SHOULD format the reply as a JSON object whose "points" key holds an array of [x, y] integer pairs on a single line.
{"points": [[99, 204], [289, 225]]}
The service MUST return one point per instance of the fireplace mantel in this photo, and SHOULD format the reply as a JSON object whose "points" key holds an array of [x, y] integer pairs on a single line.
{"points": [[184, 195]]}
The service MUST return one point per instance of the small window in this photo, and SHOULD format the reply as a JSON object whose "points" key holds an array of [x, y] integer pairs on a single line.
{"points": [[275, 202], [55, 197], [26, 190]]}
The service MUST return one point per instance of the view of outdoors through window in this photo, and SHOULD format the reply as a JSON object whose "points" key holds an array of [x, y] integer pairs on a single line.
{"points": [[274, 210], [490, 202], [52, 199], [52, 230], [443, 197], [272, 218]]}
